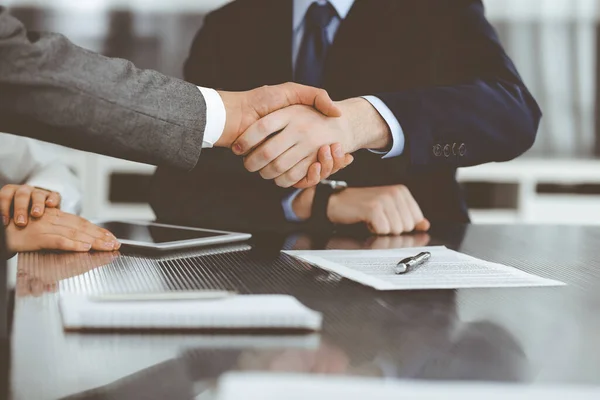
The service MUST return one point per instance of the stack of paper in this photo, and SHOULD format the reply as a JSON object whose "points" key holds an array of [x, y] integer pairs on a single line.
{"points": [[446, 269], [253, 312]]}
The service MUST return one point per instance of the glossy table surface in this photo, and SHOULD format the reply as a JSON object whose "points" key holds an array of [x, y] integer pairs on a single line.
{"points": [[529, 335]]}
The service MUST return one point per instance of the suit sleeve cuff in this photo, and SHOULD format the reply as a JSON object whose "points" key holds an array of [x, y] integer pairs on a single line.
{"points": [[395, 127], [288, 210], [215, 117]]}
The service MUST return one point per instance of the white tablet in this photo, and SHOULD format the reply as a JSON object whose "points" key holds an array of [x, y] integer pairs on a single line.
{"points": [[154, 236]]}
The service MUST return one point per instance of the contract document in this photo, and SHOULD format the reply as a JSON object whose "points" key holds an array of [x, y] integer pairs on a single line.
{"points": [[446, 269]]}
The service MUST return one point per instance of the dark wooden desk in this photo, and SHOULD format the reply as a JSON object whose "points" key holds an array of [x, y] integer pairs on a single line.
{"points": [[537, 335]]}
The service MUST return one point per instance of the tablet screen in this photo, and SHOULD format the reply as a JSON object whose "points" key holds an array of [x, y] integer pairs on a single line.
{"points": [[154, 234]]}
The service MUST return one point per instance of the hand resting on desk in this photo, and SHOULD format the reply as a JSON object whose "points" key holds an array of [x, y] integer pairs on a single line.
{"points": [[57, 230], [386, 210]]}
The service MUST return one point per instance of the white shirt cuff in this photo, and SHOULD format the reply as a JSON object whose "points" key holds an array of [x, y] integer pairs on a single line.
{"points": [[288, 210], [215, 117], [395, 128]]}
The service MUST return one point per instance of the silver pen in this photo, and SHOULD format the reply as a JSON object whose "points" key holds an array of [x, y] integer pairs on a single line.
{"points": [[410, 262]]}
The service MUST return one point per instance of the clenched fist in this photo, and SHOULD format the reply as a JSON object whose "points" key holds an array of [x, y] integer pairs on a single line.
{"points": [[387, 210]]}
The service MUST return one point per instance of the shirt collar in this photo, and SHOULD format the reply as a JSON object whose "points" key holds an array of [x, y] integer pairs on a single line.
{"points": [[301, 7]]}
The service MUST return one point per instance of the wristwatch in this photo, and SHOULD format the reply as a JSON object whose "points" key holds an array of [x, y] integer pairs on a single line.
{"points": [[323, 192]]}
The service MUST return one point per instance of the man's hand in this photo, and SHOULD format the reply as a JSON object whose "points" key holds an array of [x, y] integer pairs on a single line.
{"points": [[56, 230], [287, 156], [387, 210], [22, 198], [245, 108], [331, 159]]}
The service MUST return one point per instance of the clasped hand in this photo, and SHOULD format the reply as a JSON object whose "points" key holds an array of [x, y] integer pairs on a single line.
{"points": [[296, 135]]}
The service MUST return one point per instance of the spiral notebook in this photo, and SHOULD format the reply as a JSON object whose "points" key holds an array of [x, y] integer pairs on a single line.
{"points": [[241, 312]]}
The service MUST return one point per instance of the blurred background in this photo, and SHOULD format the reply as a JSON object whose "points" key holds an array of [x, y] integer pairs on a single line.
{"points": [[554, 44]]}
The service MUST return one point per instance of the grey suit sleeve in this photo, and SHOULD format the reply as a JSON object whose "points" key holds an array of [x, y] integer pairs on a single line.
{"points": [[54, 91]]}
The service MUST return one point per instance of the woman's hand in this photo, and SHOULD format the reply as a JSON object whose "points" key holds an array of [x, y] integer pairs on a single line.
{"points": [[57, 230], [23, 198]]}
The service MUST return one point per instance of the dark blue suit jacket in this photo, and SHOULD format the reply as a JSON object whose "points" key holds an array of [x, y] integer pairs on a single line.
{"points": [[437, 64]]}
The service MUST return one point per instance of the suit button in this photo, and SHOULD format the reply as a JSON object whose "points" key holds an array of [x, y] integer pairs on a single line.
{"points": [[462, 150], [447, 151], [437, 150], [454, 149]]}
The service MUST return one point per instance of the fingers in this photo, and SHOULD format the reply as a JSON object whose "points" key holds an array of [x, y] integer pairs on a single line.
{"points": [[310, 96], [325, 157], [56, 230], [79, 229], [21, 205], [419, 221], [38, 202], [278, 166], [396, 220], [7, 194], [296, 173], [60, 239], [71, 239], [406, 214], [325, 169], [379, 224], [348, 159], [53, 200], [260, 131], [290, 158], [340, 160], [395, 211], [423, 226], [22, 198], [311, 179]]}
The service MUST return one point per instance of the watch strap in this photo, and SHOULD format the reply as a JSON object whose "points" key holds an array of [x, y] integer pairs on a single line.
{"points": [[320, 203]]}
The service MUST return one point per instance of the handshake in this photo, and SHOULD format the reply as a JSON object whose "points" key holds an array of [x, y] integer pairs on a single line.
{"points": [[296, 135]]}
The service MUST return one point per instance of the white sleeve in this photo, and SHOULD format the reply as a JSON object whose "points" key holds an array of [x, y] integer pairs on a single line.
{"points": [[27, 161], [216, 116], [16, 161], [398, 138]]}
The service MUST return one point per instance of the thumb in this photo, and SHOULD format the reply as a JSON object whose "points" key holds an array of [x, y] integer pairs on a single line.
{"points": [[310, 96], [348, 159], [423, 226]]}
